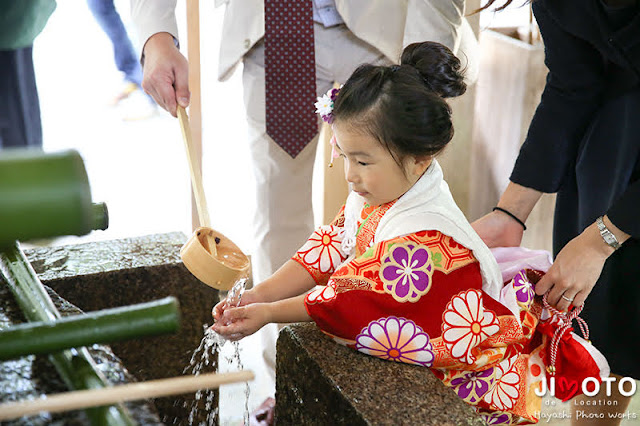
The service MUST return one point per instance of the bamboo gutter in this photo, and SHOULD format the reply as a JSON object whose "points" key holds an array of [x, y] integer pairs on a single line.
{"points": [[76, 366]]}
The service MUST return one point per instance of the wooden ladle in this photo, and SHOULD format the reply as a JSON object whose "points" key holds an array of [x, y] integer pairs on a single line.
{"points": [[208, 255]]}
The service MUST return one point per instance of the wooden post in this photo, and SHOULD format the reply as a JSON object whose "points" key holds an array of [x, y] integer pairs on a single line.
{"points": [[195, 108], [455, 160], [334, 183]]}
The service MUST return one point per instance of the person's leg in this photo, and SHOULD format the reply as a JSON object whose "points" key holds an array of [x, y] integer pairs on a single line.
{"points": [[109, 20], [20, 122], [284, 217]]}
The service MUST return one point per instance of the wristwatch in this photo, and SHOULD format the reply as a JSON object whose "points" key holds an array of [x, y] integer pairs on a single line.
{"points": [[607, 235]]}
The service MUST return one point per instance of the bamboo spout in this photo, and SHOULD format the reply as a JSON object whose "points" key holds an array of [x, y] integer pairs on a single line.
{"points": [[45, 195], [106, 326]]}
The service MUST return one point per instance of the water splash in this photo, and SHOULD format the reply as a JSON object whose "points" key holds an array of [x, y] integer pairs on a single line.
{"points": [[234, 296], [234, 359], [233, 299], [204, 358]]}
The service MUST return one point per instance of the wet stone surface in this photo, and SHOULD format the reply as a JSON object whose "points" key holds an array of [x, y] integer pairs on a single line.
{"points": [[32, 377], [56, 263], [110, 274], [320, 382]]}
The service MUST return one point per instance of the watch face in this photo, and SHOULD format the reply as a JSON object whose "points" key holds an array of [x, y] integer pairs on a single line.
{"points": [[607, 235]]}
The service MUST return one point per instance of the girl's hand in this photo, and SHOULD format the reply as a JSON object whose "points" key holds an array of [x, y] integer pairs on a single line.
{"points": [[218, 310], [243, 321], [248, 297], [497, 229], [575, 270]]}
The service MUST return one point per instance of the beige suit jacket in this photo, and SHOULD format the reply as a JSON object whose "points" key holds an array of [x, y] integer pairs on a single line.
{"points": [[388, 25]]}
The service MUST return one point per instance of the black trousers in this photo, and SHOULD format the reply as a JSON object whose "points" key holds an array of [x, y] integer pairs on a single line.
{"points": [[20, 124]]}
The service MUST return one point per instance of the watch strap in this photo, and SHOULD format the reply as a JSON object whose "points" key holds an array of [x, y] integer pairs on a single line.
{"points": [[606, 234]]}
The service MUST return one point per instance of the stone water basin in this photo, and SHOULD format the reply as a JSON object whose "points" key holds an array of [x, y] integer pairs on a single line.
{"points": [[105, 275]]}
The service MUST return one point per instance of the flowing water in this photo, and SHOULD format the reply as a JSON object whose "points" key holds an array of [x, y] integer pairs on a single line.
{"points": [[204, 357]]}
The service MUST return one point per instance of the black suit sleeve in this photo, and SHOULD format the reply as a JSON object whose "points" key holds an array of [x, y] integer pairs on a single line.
{"points": [[573, 92], [625, 212]]}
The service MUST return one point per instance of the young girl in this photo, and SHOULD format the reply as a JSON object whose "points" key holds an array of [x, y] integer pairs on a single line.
{"points": [[401, 273]]}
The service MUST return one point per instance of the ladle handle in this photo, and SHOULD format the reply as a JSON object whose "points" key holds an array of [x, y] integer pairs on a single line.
{"points": [[129, 392], [196, 174]]}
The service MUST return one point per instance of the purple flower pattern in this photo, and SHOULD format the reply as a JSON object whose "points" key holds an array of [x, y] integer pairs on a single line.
{"points": [[523, 288], [496, 418], [406, 272], [396, 339], [472, 386]]}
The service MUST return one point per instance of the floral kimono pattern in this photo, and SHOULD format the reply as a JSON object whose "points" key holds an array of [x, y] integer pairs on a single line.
{"points": [[418, 299]]}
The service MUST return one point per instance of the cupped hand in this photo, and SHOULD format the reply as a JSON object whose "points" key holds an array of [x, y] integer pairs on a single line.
{"points": [[219, 309], [165, 73], [574, 272], [243, 321], [497, 229], [248, 297]]}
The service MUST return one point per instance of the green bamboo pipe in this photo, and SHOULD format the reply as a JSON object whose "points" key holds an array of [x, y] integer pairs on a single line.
{"points": [[45, 195], [106, 326], [76, 366]]}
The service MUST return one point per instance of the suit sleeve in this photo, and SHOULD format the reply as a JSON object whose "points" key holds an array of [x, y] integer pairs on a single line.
{"points": [[440, 22], [625, 211], [573, 92], [443, 21], [153, 16]]}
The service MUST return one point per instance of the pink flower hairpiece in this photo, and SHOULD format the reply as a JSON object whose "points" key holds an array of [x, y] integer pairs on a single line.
{"points": [[324, 106], [334, 152]]}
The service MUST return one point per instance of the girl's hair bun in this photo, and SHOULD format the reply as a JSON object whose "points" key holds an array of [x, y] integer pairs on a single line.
{"points": [[438, 66]]}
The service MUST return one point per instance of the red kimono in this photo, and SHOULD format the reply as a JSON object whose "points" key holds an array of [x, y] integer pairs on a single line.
{"points": [[419, 299]]}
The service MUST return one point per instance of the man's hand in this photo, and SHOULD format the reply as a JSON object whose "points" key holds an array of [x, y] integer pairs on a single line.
{"points": [[165, 73]]}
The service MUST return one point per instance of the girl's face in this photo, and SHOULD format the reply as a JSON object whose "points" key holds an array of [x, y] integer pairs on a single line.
{"points": [[370, 169]]}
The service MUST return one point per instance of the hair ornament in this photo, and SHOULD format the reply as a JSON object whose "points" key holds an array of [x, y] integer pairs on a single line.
{"points": [[334, 152], [395, 68], [324, 106]]}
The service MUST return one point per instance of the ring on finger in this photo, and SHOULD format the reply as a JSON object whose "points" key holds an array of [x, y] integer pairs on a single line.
{"points": [[568, 299]]}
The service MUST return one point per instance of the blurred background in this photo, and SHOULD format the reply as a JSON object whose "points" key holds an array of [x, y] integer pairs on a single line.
{"points": [[135, 156]]}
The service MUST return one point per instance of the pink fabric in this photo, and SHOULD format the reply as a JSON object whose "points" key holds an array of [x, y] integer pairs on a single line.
{"points": [[512, 260]]}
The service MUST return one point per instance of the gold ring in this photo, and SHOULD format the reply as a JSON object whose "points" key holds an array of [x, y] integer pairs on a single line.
{"points": [[567, 298]]}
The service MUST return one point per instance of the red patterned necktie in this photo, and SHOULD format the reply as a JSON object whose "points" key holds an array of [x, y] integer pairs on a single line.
{"points": [[290, 73]]}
